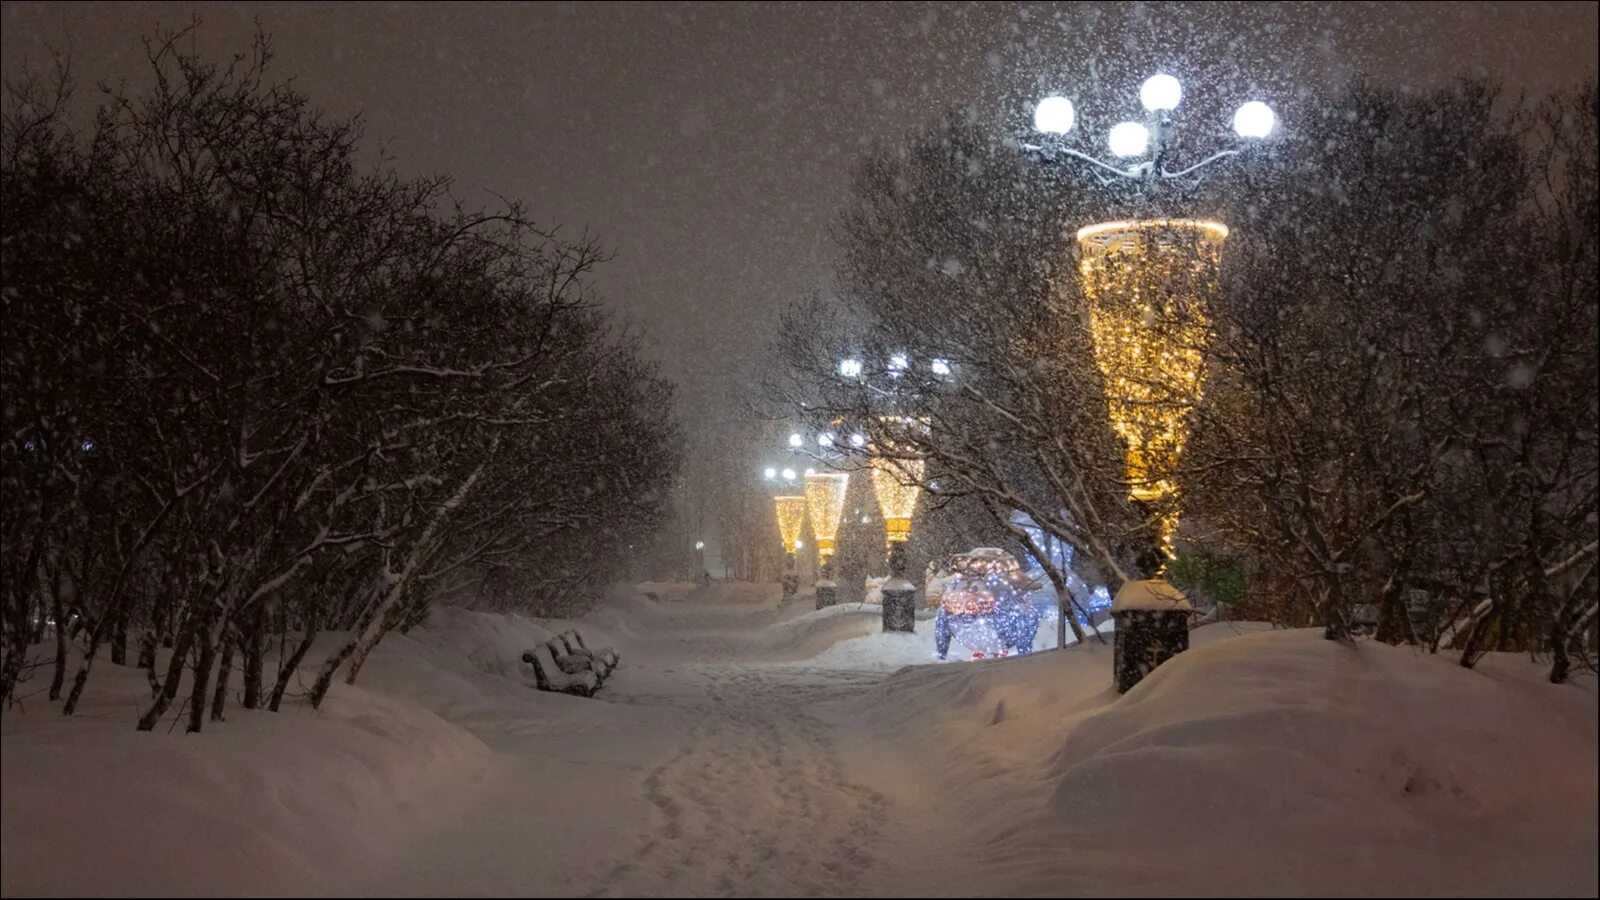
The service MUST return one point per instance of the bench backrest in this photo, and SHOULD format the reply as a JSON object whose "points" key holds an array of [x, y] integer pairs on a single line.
{"points": [[550, 675]]}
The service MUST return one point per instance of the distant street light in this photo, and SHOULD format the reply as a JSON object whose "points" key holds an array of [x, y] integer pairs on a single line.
{"points": [[825, 493], [791, 511]]}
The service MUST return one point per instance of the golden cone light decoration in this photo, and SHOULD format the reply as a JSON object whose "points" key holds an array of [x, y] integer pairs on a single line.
{"points": [[825, 501], [791, 518], [898, 483], [1149, 284]]}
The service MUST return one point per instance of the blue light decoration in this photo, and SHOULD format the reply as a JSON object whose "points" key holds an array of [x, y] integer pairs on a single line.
{"points": [[1056, 552], [984, 607], [1060, 555]]}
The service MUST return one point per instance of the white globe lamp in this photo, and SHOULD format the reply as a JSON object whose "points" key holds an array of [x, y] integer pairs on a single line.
{"points": [[1160, 93], [1129, 139], [1053, 115], [1254, 120]]}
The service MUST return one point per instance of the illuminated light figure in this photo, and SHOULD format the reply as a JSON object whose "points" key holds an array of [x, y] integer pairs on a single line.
{"points": [[1149, 284], [791, 518], [825, 502], [984, 607]]}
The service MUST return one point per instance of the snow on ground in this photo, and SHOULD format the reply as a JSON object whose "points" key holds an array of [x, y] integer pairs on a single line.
{"points": [[748, 747]]}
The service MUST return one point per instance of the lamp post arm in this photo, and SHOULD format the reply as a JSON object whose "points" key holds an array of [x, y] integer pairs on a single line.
{"points": [[1222, 154], [1051, 153]]}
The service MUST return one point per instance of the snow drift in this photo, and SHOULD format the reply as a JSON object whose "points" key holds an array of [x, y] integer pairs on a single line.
{"points": [[762, 748]]}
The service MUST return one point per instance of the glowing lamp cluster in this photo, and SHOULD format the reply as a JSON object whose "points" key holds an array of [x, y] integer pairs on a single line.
{"points": [[825, 493], [1161, 93], [1149, 285]]}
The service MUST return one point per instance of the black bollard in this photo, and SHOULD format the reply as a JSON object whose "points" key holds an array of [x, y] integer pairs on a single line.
{"points": [[899, 595], [1152, 627]]}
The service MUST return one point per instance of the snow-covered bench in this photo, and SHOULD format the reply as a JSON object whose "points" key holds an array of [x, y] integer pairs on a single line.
{"points": [[575, 644], [549, 676], [570, 657], [573, 663]]}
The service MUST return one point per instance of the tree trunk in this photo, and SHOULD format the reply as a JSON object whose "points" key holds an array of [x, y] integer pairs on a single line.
{"points": [[1470, 654], [19, 635], [220, 698], [1560, 664], [82, 676], [1334, 625], [286, 669], [58, 612], [119, 640], [147, 661], [169, 688], [385, 616], [254, 658], [1570, 622], [330, 666], [202, 680], [1393, 624]]}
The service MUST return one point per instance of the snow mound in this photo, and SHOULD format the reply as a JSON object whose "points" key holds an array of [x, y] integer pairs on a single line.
{"points": [[257, 801], [667, 591], [1261, 763], [717, 592]]}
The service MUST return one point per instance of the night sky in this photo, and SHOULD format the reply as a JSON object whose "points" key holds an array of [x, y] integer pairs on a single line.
{"points": [[710, 145]]}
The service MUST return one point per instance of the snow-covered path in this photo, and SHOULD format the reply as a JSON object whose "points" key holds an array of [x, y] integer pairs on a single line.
{"points": [[752, 749], [756, 801], [736, 785]]}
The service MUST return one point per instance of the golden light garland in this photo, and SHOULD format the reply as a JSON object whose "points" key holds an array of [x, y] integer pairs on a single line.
{"points": [[825, 501], [791, 518], [897, 483], [1149, 284]]}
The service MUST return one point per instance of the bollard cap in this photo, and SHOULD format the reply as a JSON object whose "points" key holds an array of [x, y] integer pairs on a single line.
{"points": [[1154, 593]]}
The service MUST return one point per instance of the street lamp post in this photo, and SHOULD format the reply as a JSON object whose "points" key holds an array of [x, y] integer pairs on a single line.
{"points": [[825, 493], [897, 477], [897, 483], [1149, 284], [791, 513], [791, 519]]}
